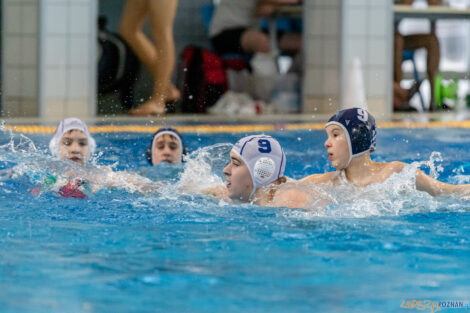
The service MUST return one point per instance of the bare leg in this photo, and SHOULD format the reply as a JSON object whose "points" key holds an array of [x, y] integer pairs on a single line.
{"points": [[397, 57], [132, 20], [399, 95], [431, 44], [162, 16], [158, 57]]}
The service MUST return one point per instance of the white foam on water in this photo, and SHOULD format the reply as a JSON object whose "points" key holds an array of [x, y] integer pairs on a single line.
{"points": [[200, 166], [39, 166], [395, 196]]}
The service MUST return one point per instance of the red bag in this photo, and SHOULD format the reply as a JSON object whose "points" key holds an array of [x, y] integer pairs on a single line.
{"points": [[202, 79]]}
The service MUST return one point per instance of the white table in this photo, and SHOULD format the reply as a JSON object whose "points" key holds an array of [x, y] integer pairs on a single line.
{"points": [[432, 13]]}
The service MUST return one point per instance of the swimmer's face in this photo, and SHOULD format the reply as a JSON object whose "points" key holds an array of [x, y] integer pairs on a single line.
{"points": [[239, 183], [74, 146], [337, 146], [166, 149]]}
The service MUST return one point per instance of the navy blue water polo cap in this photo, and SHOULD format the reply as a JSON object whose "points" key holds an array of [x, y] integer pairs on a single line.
{"points": [[165, 131], [360, 126]]}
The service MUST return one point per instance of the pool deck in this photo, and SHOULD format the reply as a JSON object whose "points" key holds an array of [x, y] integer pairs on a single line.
{"points": [[195, 119], [236, 123]]}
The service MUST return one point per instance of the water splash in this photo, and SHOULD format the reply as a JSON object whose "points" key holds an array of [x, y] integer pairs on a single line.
{"points": [[433, 163], [395, 196], [21, 158], [201, 167]]}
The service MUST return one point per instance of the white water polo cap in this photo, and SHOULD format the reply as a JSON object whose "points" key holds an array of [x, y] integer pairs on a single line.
{"points": [[264, 157], [360, 127], [66, 125]]}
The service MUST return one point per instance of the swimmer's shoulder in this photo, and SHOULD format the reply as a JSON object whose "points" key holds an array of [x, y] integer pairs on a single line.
{"points": [[290, 198], [392, 167], [318, 178], [386, 169]]}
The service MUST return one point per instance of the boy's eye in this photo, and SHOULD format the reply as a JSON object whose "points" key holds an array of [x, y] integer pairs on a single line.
{"points": [[67, 142], [83, 143], [173, 146]]}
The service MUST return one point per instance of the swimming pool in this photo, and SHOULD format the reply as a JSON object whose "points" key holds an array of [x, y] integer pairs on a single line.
{"points": [[123, 252]]}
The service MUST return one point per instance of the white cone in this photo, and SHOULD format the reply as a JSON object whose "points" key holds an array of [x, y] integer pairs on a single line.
{"points": [[355, 95]]}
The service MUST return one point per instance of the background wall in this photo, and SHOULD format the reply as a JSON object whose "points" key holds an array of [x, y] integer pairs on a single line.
{"points": [[20, 52], [336, 32], [48, 58]]}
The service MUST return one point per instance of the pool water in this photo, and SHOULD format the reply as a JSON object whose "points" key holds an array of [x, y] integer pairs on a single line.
{"points": [[172, 251]]}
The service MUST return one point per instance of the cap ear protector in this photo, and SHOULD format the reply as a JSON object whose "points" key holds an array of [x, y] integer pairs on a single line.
{"points": [[165, 131], [264, 157], [264, 170]]}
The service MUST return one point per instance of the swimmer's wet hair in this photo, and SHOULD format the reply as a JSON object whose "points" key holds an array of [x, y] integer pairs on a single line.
{"points": [[165, 131]]}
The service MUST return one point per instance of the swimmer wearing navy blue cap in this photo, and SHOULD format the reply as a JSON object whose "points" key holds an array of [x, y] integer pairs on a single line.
{"points": [[166, 146], [256, 172], [351, 140]]}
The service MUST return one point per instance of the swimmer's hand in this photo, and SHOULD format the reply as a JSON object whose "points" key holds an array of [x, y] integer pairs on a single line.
{"points": [[220, 192], [131, 182]]}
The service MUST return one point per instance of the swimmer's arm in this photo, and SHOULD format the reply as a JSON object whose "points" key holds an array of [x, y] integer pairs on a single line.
{"points": [[143, 184], [290, 198], [220, 192], [435, 187], [122, 180], [317, 178]]}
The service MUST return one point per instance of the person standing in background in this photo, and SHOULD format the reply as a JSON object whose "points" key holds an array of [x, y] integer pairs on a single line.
{"points": [[157, 55]]}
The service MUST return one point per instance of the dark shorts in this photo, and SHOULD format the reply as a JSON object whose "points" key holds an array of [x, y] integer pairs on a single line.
{"points": [[228, 41]]}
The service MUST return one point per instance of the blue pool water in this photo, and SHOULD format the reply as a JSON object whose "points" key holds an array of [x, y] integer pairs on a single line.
{"points": [[120, 251]]}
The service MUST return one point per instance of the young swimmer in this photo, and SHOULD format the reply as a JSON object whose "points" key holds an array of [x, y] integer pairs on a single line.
{"points": [[255, 174], [351, 139], [71, 141], [166, 146]]}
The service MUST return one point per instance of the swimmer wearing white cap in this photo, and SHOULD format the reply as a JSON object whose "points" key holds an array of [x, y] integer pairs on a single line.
{"points": [[72, 141], [255, 173], [351, 140]]}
